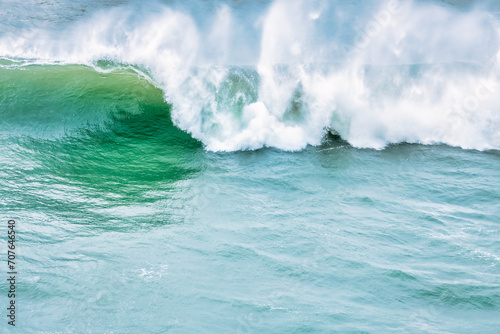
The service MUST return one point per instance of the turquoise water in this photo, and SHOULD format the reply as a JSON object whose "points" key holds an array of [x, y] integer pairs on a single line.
{"points": [[247, 198]]}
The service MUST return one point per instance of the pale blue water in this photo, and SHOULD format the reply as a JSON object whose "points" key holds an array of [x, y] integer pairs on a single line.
{"points": [[272, 191]]}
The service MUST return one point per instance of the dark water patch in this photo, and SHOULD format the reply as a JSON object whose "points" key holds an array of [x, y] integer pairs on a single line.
{"points": [[464, 296]]}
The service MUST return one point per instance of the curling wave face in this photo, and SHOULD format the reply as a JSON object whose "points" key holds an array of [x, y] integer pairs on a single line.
{"points": [[282, 74]]}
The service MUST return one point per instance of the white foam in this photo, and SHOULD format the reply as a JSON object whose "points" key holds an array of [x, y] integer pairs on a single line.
{"points": [[311, 73]]}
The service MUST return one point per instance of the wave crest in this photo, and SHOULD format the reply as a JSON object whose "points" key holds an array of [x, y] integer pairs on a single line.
{"points": [[374, 74]]}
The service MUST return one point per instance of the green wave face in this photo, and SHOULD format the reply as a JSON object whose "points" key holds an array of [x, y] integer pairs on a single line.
{"points": [[48, 101], [106, 138]]}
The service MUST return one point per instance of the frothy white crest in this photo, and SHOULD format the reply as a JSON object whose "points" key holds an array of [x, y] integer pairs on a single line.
{"points": [[400, 71]]}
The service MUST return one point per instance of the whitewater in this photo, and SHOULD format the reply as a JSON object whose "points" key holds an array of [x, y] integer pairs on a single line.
{"points": [[375, 73]]}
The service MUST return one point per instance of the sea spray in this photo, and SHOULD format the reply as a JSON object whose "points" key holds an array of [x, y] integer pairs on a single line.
{"points": [[374, 76]]}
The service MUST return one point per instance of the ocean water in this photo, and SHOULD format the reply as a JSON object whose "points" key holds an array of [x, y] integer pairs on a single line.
{"points": [[251, 166]]}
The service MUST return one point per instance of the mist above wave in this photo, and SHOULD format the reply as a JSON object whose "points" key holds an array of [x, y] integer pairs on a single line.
{"points": [[281, 74]]}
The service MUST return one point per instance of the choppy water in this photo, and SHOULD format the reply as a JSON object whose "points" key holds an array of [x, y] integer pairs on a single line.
{"points": [[252, 166]]}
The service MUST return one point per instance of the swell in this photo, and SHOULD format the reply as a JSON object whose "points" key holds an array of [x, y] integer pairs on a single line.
{"points": [[94, 140], [51, 101]]}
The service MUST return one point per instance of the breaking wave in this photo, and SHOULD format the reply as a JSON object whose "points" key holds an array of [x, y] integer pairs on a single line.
{"points": [[283, 74]]}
